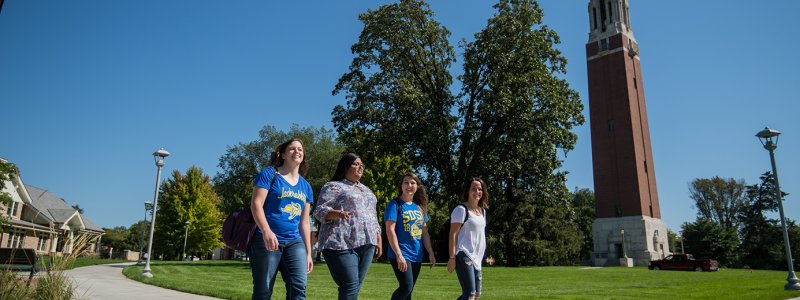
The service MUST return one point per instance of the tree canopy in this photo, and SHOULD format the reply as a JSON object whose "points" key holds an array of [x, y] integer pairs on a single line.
{"points": [[117, 238], [7, 171], [761, 237], [241, 163], [513, 115], [583, 215], [189, 198], [718, 199]]}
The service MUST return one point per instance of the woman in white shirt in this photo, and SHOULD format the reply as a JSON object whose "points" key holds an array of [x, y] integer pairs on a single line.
{"points": [[468, 237]]}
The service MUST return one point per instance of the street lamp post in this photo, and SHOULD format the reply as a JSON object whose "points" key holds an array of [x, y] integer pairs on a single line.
{"points": [[185, 235], [147, 207], [766, 138], [624, 253], [159, 156], [681, 238]]}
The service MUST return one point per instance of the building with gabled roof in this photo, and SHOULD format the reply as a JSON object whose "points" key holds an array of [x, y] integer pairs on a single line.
{"points": [[38, 219]]}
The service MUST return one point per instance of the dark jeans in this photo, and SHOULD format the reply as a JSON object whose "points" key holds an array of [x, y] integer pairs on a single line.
{"points": [[290, 259], [406, 279], [348, 268], [469, 278]]}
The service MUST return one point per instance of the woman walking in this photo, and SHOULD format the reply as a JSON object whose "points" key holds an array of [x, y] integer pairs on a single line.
{"points": [[468, 239], [349, 234], [280, 205], [406, 220]]}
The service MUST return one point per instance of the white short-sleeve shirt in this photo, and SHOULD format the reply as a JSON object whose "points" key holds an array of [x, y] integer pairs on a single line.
{"points": [[472, 236]]}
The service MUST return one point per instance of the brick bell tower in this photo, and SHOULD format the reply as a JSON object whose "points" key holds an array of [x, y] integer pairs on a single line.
{"points": [[628, 229]]}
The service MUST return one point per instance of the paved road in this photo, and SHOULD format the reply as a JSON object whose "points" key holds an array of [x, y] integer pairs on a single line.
{"points": [[107, 282]]}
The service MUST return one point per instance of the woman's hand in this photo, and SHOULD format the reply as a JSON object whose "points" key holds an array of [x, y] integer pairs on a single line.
{"points": [[310, 263], [401, 263], [432, 259], [451, 265], [270, 241]]}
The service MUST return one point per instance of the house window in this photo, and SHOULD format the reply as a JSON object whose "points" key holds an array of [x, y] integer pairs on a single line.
{"points": [[12, 209], [16, 239], [42, 246]]}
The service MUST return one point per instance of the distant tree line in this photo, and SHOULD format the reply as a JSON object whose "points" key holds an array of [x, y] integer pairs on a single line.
{"points": [[738, 224]]}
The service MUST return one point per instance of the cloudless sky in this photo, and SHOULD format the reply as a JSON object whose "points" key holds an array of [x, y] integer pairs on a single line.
{"points": [[89, 89]]}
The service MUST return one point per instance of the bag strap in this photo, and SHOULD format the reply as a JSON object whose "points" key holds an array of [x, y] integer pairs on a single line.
{"points": [[466, 212], [274, 175], [399, 209]]}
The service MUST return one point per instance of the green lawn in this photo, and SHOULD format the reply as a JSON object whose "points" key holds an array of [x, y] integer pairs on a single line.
{"points": [[231, 280]]}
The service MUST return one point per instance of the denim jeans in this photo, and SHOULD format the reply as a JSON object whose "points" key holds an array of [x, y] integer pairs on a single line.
{"points": [[348, 268], [469, 277], [289, 259], [406, 279]]}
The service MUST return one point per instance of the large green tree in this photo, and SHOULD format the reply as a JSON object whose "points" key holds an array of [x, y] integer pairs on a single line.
{"points": [[718, 199], [187, 197], [583, 215], [241, 163], [398, 90], [513, 115], [762, 245]]}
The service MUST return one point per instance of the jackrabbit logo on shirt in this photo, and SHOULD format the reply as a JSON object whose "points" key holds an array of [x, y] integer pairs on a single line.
{"points": [[293, 209]]}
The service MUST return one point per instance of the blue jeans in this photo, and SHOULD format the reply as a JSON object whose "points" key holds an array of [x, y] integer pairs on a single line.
{"points": [[406, 279], [469, 277], [348, 268], [290, 259]]}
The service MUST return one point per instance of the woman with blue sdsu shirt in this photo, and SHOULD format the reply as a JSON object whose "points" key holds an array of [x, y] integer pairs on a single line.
{"points": [[280, 204], [349, 234], [406, 220]]}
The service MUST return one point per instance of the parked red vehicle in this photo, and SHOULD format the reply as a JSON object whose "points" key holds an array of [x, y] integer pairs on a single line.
{"points": [[684, 262]]}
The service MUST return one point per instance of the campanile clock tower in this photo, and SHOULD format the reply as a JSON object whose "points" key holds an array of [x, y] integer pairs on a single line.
{"points": [[628, 229]]}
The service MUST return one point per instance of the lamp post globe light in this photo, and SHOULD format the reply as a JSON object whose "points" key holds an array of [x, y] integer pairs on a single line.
{"points": [[766, 137], [185, 235], [147, 207], [159, 156]]}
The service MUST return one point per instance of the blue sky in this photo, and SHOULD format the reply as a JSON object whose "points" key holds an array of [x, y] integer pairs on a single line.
{"points": [[89, 89]]}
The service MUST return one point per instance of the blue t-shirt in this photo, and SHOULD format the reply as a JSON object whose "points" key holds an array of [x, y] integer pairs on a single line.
{"points": [[284, 205], [408, 230]]}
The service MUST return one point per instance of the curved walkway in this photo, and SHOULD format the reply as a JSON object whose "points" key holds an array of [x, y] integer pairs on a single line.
{"points": [[107, 282]]}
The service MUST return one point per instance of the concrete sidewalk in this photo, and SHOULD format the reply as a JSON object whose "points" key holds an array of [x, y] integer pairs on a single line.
{"points": [[107, 282]]}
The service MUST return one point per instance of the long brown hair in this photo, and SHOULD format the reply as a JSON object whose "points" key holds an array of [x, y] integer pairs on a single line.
{"points": [[484, 200], [420, 196], [276, 160]]}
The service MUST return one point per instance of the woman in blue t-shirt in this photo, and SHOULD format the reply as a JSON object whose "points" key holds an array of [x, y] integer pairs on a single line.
{"points": [[280, 204], [407, 231]]}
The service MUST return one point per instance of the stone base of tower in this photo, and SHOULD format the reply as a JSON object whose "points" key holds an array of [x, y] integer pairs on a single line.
{"points": [[645, 239]]}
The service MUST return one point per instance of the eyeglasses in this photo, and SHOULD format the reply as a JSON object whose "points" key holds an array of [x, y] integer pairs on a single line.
{"points": [[359, 165]]}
